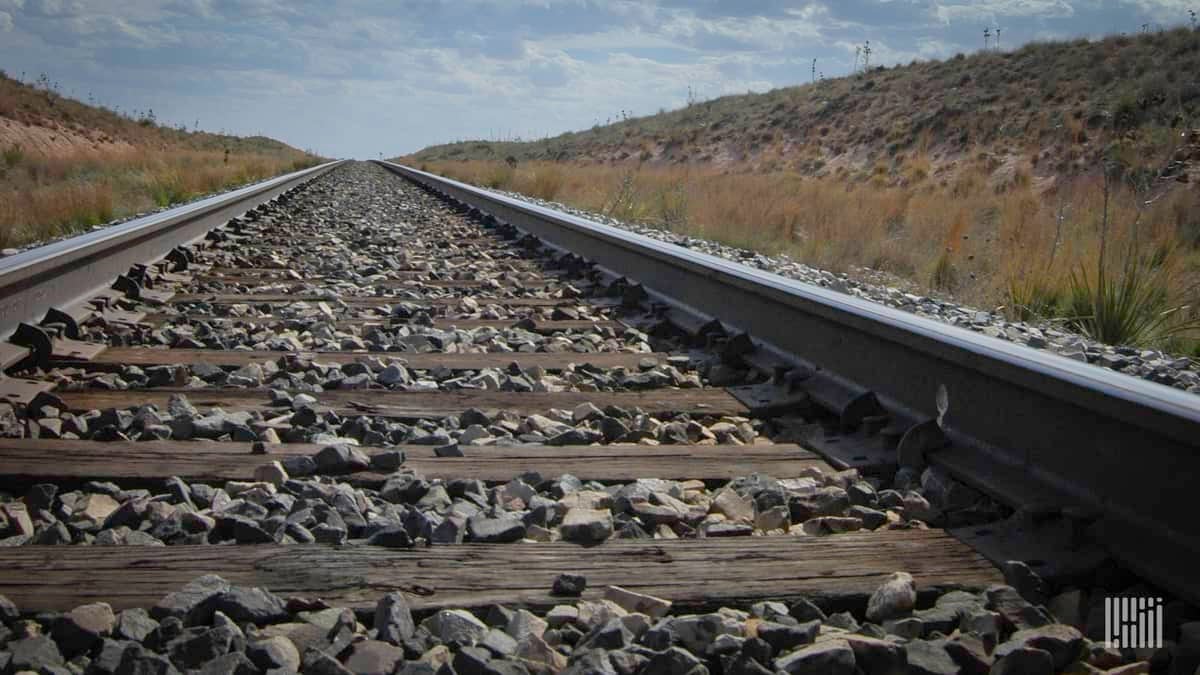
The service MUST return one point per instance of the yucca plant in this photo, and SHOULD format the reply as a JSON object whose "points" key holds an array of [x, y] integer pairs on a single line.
{"points": [[1030, 298], [1131, 306]]}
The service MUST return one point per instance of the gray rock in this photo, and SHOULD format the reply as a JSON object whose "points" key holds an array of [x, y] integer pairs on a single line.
{"points": [[40, 497], [1063, 643], [1027, 582], [373, 657], [244, 530], [843, 620], [193, 650], [82, 628], [246, 605], [393, 618], [8, 610], [495, 530], [394, 374], [339, 459], [870, 518], [108, 657], [741, 664], [969, 653], [34, 653], [943, 618], [896, 597], [569, 585], [235, 663], [671, 661], [875, 656], [832, 657], [137, 660], [134, 624], [499, 643], [329, 534], [299, 465], [182, 603], [456, 625], [472, 661], [391, 537], [929, 658], [388, 461], [1015, 610], [276, 652], [1024, 661], [317, 662], [908, 627], [587, 526], [783, 638]]}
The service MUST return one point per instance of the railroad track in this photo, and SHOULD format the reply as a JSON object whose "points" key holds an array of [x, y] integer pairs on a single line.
{"points": [[362, 386]]}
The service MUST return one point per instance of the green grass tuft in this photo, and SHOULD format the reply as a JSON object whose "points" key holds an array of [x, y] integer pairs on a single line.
{"points": [[1127, 307]]}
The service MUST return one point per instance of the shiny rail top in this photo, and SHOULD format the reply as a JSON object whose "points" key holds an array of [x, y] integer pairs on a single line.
{"points": [[66, 272]]}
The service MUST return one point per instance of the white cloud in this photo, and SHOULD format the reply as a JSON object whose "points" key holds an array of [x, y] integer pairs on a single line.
{"points": [[990, 10], [1166, 11], [739, 33], [6, 22]]}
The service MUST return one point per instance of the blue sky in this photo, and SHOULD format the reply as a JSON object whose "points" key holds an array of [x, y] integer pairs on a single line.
{"points": [[355, 78]]}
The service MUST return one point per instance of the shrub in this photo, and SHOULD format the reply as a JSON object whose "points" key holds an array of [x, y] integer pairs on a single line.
{"points": [[1126, 307], [168, 189], [13, 155]]}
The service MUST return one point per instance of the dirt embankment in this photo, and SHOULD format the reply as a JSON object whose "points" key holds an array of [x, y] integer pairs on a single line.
{"points": [[55, 140]]}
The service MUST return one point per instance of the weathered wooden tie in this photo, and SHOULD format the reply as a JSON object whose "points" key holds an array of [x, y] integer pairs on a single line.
{"points": [[691, 573], [371, 301], [115, 357], [546, 326], [418, 404], [24, 461]]}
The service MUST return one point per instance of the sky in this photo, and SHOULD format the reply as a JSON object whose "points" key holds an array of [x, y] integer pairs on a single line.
{"points": [[361, 78]]}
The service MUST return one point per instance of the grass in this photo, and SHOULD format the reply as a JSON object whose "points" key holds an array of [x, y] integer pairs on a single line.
{"points": [[1011, 249], [42, 198], [114, 165]]}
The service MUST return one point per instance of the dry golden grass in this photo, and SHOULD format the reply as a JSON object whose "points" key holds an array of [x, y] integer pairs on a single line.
{"points": [[980, 244], [66, 166], [42, 198]]}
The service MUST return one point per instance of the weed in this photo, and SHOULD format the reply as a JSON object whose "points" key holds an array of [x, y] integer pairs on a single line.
{"points": [[1130, 306], [168, 189], [1032, 298], [13, 155], [672, 205], [943, 277]]}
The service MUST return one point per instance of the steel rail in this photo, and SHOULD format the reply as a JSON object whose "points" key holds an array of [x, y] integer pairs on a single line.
{"points": [[1122, 448], [67, 272]]}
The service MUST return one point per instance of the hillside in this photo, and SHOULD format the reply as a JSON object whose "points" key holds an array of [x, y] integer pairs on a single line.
{"points": [[1042, 110], [66, 165], [1056, 182]]}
